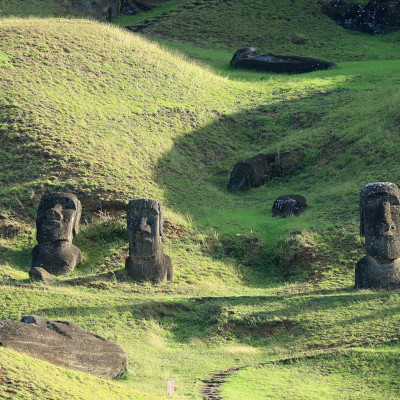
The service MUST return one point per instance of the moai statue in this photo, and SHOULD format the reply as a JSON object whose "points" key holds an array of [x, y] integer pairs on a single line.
{"points": [[57, 223], [146, 261], [380, 224]]}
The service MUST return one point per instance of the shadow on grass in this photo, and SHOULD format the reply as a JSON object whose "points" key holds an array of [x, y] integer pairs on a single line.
{"points": [[19, 259], [291, 319], [193, 176]]}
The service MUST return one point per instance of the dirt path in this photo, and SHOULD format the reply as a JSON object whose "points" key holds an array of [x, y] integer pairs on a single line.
{"points": [[211, 389]]}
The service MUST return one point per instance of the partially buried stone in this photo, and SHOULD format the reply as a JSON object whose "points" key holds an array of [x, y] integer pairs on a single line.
{"points": [[146, 261], [38, 274], [57, 223], [380, 224], [250, 58], [289, 205], [64, 344], [250, 173]]}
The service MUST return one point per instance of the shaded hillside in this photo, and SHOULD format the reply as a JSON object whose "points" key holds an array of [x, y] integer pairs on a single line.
{"points": [[282, 27]]}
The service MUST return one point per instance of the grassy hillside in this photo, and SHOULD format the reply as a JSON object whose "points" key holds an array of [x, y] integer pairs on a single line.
{"points": [[287, 26], [356, 374], [109, 115]]}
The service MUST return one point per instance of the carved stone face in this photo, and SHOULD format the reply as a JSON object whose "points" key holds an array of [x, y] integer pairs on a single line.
{"points": [[58, 217], [144, 221], [380, 219]]}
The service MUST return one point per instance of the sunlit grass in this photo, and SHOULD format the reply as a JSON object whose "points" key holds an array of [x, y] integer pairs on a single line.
{"points": [[89, 108]]}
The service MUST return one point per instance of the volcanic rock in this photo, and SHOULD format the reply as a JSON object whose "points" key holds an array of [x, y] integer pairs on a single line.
{"points": [[377, 17], [38, 274], [250, 173], [64, 344], [289, 205], [250, 58]]}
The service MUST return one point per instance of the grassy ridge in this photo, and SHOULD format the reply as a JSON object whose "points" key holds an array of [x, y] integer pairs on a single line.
{"points": [[99, 93]]}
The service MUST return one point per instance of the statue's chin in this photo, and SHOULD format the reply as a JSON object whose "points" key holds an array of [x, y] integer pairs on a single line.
{"points": [[144, 248], [383, 248]]}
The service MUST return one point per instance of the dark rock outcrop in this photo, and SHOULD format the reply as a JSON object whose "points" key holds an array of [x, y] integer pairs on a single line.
{"points": [[250, 173], [289, 205], [64, 344], [377, 17], [250, 58]]}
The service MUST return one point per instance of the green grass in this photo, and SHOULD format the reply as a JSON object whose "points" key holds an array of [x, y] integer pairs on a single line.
{"points": [[95, 110], [23, 377], [47, 8], [270, 26], [356, 374]]}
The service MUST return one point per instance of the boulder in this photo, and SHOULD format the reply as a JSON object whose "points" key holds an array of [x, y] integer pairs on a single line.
{"points": [[289, 205], [250, 58], [250, 173], [38, 274], [64, 344], [377, 17]]}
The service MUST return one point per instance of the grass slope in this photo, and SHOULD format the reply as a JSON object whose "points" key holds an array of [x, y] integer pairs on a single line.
{"points": [[23, 377], [110, 116], [287, 26], [356, 374]]}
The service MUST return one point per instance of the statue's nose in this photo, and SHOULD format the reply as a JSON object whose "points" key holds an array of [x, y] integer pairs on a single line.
{"points": [[387, 224], [144, 226], [385, 227], [55, 212]]}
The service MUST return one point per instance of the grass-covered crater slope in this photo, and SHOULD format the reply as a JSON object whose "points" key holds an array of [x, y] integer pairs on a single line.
{"points": [[92, 109]]}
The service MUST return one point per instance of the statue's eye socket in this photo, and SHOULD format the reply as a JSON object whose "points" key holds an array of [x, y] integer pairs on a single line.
{"points": [[152, 212], [68, 204], [133, 219]]}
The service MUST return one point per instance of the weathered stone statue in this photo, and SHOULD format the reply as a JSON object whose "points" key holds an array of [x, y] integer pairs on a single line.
{"points": [[57, 223], [146, 261], [380, 224]]}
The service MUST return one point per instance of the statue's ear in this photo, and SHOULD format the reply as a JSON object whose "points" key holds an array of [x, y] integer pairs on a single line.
{"points": [[75, 229], [362, 230], [160, 219]]}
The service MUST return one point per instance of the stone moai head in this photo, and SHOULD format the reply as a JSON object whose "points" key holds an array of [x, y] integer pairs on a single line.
{"points": [[58, 217], [380, 219], [144, 220]]}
